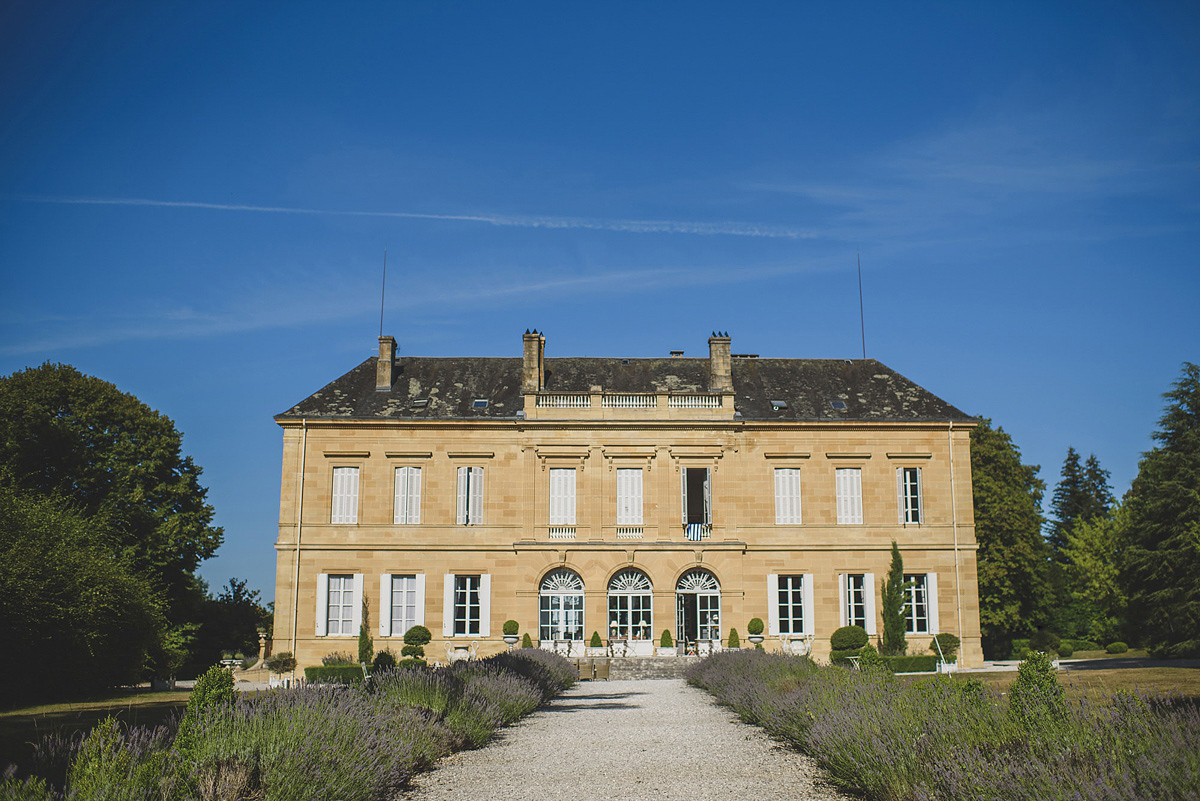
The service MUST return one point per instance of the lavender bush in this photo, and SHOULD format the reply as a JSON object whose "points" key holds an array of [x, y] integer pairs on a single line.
{"points": [[942, 738]]}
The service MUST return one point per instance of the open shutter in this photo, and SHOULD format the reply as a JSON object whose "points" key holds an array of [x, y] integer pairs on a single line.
{"points": [[843, 600], [931, 602], [475, 509], [707, 495], [419, 612], [569, 489], [683, 494], [869, 593], [400, 502], [357, 609], [485, 605], [463, 478], [809, 607], [385, 605], [900, 499], [448, 604], [322, 604], [918, 501], [635, 497], [414, 495], [772, 603]]}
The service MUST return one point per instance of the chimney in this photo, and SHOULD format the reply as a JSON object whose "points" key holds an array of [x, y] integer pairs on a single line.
{"points": [[720, 367], [533, 369], [385, 366]]}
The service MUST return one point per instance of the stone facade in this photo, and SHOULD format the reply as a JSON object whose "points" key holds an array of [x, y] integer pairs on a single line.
{"points": [[390, 413]]}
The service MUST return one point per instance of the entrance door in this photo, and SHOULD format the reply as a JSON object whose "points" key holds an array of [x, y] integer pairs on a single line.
{"points": [[697, 609]]}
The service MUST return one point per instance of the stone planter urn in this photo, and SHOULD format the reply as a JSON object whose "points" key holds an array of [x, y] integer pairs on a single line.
{"points": [[755, 638], [511, 639]]}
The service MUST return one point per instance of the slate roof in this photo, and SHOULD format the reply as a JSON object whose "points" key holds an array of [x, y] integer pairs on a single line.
{"points": [[867, 389]]}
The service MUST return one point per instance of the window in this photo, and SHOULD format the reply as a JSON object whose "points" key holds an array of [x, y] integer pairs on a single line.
{"points": [[697, 502], [403, 603], [470, 496], [697, 607], [562, 496], [560, 606], [630, 605], [858, 600], [848, 486], [408, 496], [921, 612], [629, 496], [345, 495], [338, 604], [787, 496], [791, 604], [467, 605], [908, 491]]}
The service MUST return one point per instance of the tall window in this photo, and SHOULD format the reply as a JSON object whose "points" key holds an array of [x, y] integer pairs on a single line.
{"points": [[791, 605], [630, 605], [629, 496], [408, 495], [921, 611], [562, 496], [345, 495], [560, 606], [787, 496], [908, 490], [848, 486], [467, 604], [470, 496], [340, 608], [855, 600], [404, 605]]}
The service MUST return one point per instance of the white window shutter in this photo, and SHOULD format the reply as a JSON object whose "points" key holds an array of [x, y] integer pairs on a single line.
{"points": [[809, 610], [683, 494], [448, 602], [414, 495], [322, 604], [420, 610], [570, 491], [385, 605], [920, 504], [901, 504], [931, 602], [869, 592], [707, 495], [356, 613], [772, 603], [781, 511], [461, 517], [624, 508], [476, 495], [636, 497], [485, 605], [399, 512], [843, 600]]}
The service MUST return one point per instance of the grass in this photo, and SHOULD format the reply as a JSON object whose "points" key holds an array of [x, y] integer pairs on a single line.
{"points": [[1098, 685], [20, 728]]}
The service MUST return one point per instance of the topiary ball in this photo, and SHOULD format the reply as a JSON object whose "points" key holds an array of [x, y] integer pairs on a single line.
{"points": [[417, 635], [511, 627], [755, 626], [1117, 647], [848, 637]]}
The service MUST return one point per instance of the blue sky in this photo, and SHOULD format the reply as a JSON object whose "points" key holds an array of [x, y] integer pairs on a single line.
{"points": [[195, 200]]}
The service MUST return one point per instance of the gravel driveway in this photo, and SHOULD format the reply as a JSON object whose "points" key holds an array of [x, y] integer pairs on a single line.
{"points": [[650, 739]]}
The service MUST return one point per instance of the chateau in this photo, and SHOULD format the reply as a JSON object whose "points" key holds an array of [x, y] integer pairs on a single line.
{"points": [[620, 496]]}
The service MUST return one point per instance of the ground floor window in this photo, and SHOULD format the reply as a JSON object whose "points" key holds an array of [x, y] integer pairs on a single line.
{"points": [[697, 607], [467, 605], [921, 612], [404, 604], [629, 606], [855, 599], [791, 604], [560, 603]]}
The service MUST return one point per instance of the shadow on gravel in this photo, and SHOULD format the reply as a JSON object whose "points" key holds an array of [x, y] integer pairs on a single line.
{"points": [[601, 696], [586, 707]]}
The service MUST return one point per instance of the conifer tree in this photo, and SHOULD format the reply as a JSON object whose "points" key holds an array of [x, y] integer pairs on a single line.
{"points": [[1162, 558], [895, 607]]}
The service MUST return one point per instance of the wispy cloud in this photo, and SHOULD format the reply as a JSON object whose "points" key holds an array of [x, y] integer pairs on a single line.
{"points": [[502, 220]]}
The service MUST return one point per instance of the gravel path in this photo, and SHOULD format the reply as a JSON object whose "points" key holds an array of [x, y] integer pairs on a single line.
{"points": [[650, 739]]}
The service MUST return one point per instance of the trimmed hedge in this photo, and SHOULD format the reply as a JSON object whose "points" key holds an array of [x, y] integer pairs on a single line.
{"points": [[1117, 647], [918, 663], [334, 674], [1084, 645], [849, 638]]}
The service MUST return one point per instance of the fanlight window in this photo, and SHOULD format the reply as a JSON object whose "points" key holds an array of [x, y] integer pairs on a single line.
{"points": [[562, 580], [629, 581], [698, 581]]}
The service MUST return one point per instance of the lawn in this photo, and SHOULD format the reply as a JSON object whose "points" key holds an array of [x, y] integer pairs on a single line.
{"points": [[19, 728]]}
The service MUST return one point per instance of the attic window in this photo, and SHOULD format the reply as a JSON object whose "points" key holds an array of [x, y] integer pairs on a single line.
{"points": [[839, 405], [419, 403], [480, 403], [776, 405], [624, 361]]}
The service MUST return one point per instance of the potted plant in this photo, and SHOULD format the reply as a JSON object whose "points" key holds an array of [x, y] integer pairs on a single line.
{"points": [[734, 640], [596, 645], [278, 664], [666, 646], [511, 627], [526, 640], [755, 631]]}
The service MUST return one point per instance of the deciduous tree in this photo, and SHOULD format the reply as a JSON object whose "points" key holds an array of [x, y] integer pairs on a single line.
{"points": [[1162, 560]]}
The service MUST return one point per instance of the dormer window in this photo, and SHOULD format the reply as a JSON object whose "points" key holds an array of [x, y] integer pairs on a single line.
{"points": [[480, 403], [778, 405]]}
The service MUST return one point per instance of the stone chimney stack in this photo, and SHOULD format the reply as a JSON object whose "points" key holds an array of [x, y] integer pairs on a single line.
{"points": [[385, 366], [533, 369], [720, 365]]}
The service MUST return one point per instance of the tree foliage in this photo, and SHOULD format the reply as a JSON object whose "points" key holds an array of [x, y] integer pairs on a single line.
{"points": [[1093, 553], [895, 607], [72, 617], [1162, 560], [1014, 593], [1082, 494], [74, 435]]}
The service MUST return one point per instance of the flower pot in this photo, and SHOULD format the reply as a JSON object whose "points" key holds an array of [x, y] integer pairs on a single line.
{"points": [[666, 650], [596, 652], [511, 639], [755, 638]]}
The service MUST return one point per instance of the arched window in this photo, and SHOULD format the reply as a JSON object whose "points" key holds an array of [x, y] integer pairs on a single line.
{"points": [[560, 602], [697, 607], [630, 601]]}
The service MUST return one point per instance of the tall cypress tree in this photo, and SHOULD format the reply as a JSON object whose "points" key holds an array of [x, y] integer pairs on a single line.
{"points": [[895, 606], [1162, 560]]}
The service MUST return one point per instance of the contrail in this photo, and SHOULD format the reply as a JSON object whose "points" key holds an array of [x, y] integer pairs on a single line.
{"points": [[512, 221]]}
